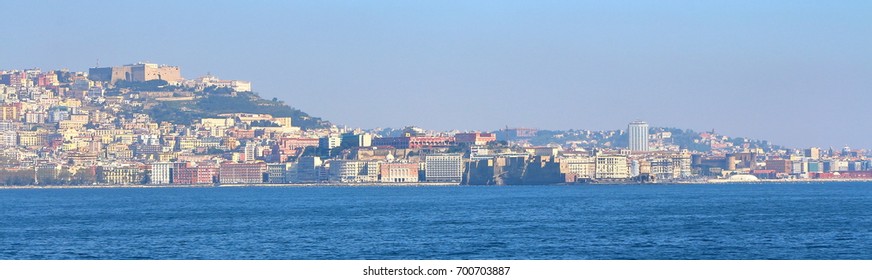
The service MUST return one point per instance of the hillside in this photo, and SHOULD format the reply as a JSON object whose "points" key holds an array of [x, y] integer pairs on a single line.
{"points": [[186, 105]]}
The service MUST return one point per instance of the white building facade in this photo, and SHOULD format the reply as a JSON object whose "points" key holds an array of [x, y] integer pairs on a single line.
{"points": [[443, 168], [638, 132], [161, 173]]}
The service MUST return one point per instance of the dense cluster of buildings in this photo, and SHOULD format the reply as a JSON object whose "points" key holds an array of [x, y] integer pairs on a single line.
{"points": [[811, 163], [60, 128]]}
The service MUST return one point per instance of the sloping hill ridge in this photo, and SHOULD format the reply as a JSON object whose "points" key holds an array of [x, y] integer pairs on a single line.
{"points": [[211, 102]]}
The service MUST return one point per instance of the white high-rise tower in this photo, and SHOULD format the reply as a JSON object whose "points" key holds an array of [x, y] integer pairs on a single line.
{"points": [[638, 131]]}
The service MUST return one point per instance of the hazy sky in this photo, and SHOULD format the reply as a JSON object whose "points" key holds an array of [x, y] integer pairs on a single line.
{"points": [[797, 73]]}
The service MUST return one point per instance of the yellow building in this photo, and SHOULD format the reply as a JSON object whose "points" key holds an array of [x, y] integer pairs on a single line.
{"points": [[30, 139], [69, 134], [71, 124], [583, 167], [83, 118], [119, 174], [284, 122], [125, 138], [612, 167], [10, 112], [188, 143], [71, 102], [70, 146], [167, 156]]}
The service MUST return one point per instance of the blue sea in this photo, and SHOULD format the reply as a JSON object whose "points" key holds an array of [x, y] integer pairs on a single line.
{"points": [[725, 221]]}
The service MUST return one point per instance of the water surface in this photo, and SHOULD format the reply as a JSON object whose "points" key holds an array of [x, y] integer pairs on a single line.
{"points": [[741, 221]]}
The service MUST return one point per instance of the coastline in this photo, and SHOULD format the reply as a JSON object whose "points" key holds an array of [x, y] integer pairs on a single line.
{"points": [[787, 181], [437, 184], [261, 185]]}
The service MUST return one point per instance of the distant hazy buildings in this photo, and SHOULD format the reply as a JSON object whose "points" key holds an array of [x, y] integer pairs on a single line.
{"points": [[475, 138], [638, 131], [512, 134], [813, 153], [414, 142], [212, 81], [351, 139]]}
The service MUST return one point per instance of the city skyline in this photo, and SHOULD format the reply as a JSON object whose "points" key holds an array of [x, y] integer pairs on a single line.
{"points": [[791, 74], [145, 123], [637, 131]]}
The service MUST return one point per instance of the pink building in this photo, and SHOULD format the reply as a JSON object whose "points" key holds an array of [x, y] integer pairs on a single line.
{"points": [[398, 172], [188, 174]]}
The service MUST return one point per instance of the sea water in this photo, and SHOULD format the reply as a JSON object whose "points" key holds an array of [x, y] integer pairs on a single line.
{"points": [[719, 221]]}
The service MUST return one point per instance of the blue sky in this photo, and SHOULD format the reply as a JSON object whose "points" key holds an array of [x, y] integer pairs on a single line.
{"points": [[797, 73]]}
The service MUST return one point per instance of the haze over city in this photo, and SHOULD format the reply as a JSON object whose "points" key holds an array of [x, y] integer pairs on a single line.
{"points": [[796, 74]]}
